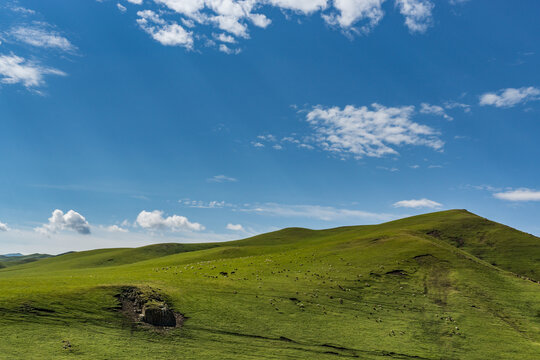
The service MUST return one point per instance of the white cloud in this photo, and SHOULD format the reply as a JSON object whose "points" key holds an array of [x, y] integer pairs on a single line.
{"points": [[22, 10], [417, 13], [154, 220], [519, 195], [40, 35], [235, 227], [420, 203], [302, 6], [456, 105], [169, 34], [204, 204], [326, 213], [71, 220], [510, 97], [350, 12], [225, 38], [3, 227], [235, 17], [363, 132], [227, 50], [435, 110], [15, 69], [221, 179], [116, 228], [121, 7], [136, 2]]}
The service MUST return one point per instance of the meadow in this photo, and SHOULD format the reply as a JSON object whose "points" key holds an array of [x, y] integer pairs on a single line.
{"points": [[445, 285]]}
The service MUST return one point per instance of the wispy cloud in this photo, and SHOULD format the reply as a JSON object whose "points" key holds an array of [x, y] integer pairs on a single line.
{"points": [[435, 110], [326, 213], [221, 179], [199, 204], [510, 97], [15, 69], [417, 203], [40, 35]]}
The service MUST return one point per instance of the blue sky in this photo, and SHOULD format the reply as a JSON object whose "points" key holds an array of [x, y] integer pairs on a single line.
{"points": [[129, 122]]}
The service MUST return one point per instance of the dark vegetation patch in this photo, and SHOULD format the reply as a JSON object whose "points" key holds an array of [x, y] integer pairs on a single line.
{"points": [[148, 308], [425, 259], [397, 272]]}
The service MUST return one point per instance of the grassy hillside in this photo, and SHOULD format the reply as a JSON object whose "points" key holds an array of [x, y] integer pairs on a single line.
{"points": [[436, 286], [6, 261]]}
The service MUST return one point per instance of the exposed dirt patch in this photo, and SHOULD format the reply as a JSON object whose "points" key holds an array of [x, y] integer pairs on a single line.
{"points": [[148, 308]]}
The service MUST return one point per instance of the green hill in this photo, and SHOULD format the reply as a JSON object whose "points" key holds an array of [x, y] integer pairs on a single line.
{"points": [[446, 285], [17, 259]]}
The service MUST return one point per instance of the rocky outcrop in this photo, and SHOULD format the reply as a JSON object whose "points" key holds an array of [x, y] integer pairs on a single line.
{"points": [[148, 307]]}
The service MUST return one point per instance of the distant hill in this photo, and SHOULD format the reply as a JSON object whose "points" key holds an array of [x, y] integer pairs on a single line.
{"points": [[17, 259], [445, 285]]}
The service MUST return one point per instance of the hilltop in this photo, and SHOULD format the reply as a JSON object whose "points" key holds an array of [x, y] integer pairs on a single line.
{"points": [[449, 285]]}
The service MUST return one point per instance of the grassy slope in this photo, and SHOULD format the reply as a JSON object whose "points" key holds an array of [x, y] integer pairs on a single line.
{"points": [[294, 293], [6, 261]]}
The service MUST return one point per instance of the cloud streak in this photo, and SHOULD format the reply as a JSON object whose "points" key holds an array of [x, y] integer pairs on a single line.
{"points": [[519, 195], [417, 204], [326, 213]]}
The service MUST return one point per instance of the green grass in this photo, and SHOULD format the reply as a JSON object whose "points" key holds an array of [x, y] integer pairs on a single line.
{"points": [[447, 285], [6, 261]]}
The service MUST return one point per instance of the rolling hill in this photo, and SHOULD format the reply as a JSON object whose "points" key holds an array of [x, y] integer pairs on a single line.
{"points": [[445, 285]]}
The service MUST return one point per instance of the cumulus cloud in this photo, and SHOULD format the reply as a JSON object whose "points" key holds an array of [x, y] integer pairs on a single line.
{"points": [[136, 2], [510, 97], [221, 179], [3, 227], [435, 110], [71, 220], [350, 12], [519, 195], [121, 7], [374, 132], [15, 69], [235, 17], [326, 213], [235, 227], [166, 33], [154, 220], [40, 35], [416, 204], [417, 14]]}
